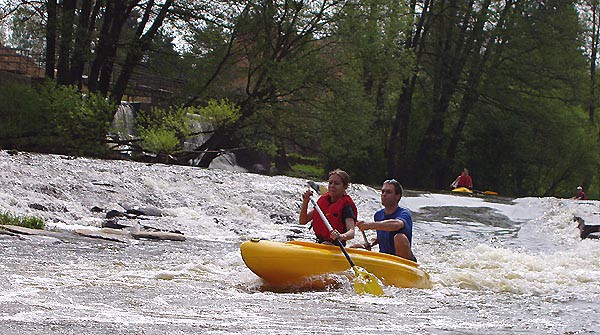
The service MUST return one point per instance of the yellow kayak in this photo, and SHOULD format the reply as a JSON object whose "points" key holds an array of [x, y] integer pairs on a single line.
{"points": [[462, 190], [307, 264], [468, 191]]}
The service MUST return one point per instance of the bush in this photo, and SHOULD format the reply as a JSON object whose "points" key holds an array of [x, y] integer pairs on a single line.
{"points": [[307, 172], [32, 222], [54, 118], [160, 141], [81, 120], [20, 112], [219, 113], [164, 130]]}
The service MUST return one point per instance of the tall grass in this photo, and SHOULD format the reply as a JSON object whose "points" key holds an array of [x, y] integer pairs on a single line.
{"points": [[32, 222]]}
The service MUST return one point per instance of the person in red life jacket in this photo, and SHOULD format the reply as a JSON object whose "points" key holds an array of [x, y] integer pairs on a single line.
{"points": [[338, 207], [580, 194], [464, 180], [392, 223]]}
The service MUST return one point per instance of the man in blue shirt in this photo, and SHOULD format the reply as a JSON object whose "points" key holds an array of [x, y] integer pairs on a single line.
{"points": [[393, 223]]}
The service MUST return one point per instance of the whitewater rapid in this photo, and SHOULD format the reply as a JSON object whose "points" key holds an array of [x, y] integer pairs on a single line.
{"points": [[498, 265]]}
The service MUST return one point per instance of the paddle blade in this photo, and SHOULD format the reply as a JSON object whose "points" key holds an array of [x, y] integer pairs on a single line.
{"points": [[366, 282], [319, 188], [490, 193]]}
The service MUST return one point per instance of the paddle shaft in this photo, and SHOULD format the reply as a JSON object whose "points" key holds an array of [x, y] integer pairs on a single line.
{"points": [[367, 244], [339, 243]]}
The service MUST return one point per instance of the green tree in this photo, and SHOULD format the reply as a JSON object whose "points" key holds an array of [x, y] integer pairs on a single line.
{"points": [[537, 139], [283, 69]]}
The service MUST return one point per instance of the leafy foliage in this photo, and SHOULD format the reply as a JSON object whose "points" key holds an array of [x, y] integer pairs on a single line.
{"points": [[414, 90], [32, 222], [534, 139], [20, 115], [219, 112], [163, 130], [160, 141], [56, 112], [81, 120]]}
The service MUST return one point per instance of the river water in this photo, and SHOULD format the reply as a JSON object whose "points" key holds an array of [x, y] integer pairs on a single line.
{"points": [[498, 265]]}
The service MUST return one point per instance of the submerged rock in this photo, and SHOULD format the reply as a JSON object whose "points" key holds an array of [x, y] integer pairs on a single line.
{"points": [[158, 235]]}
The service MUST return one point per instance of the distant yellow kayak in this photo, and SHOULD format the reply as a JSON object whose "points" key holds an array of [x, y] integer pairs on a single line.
{"points": [[490, 193], [468, 191], [462, 190], [306, 264]]}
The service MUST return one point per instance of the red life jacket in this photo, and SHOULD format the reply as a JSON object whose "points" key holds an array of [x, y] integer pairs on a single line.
{"points": [[333, 213], [465, 181]]}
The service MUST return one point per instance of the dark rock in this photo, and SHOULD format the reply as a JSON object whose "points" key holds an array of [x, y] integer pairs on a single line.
{"points": [[114, 213], [153, 229], [101, 184], [134, 212], [142, 210], [57, 208], [38, 207], [282, 219], [158, 236], [253, 161], [96, 209], [113, 223]]}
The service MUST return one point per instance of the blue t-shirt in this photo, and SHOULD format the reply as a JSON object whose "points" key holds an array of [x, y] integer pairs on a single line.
{"points": [[386, 238]]}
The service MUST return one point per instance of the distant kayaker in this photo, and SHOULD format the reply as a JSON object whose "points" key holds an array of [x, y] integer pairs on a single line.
{"points": [[580, 194], [338, 207], [393, 223], [464, 180]]}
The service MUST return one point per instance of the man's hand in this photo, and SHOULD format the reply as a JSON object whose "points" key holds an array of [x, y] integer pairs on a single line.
{"points": [[362, 225]]}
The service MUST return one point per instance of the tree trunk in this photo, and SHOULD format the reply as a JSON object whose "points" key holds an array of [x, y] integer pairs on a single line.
{"points": [[67, 19], [138, 47], [454, 47], [398, 141], [115, 17], [282, 164], [81, 51], [396, 148], [593, 58], [471, 94], [51, 27], [220, 139], [102, 50]]}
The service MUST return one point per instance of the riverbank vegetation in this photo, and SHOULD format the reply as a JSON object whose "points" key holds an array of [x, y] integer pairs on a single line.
{"points": [[414, 90], [32, 222]]}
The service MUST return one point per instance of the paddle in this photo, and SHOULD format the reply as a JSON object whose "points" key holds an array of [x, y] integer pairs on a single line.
{"points": [[486, 192], [322, 190], [364, 282], [367, 244]]}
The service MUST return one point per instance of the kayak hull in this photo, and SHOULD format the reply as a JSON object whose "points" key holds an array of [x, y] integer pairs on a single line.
{"points": [[462, 190], [313, 265]]}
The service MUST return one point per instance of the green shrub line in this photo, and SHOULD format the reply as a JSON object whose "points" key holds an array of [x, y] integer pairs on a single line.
{"points": [[32, 222], [307, 172]]}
